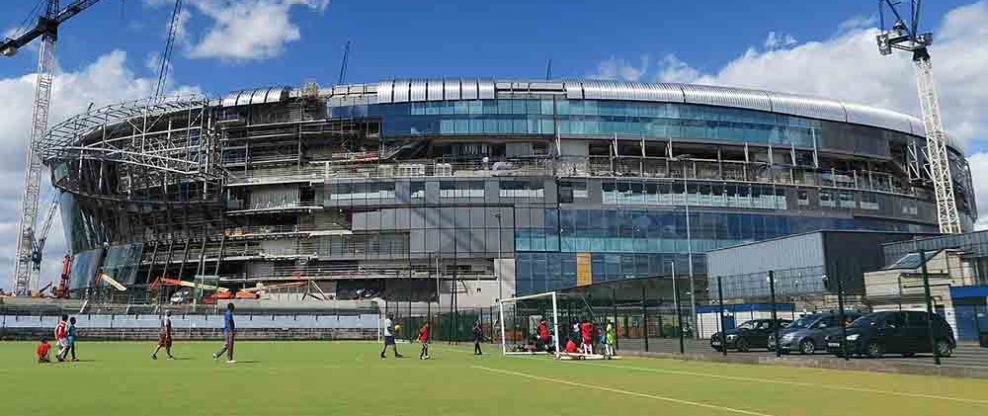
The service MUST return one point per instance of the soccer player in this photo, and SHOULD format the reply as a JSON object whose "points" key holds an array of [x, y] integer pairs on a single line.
{"points": [[42, 351], [586, 335], [71, 333], [610, 336], [478, 337], [164, 337], [389, 337], [229, 334], [544, 338], [424, 339], [62, 338]]}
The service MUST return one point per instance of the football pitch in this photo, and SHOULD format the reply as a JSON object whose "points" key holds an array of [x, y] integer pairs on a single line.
{"points": [[348, 378]]}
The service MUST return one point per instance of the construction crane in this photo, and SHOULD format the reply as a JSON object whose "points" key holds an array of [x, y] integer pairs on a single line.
{"points": [[166, 54], [47, 30], [38, 245], [905, 36]]}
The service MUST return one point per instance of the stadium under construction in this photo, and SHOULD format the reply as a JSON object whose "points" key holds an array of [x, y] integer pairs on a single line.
{"points": [[486, 188]]}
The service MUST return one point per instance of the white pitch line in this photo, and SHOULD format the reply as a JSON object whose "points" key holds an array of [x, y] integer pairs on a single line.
{"points": [[625, 392], [796, 383]]}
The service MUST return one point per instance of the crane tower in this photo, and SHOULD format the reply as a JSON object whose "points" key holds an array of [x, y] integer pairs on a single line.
{"points": [[25, 278], [905, 37]]}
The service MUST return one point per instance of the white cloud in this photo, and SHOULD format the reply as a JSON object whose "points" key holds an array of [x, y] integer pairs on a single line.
{"points": [[778, 40], [616, 68], [107, 80], [672, 69], [241, 30]]}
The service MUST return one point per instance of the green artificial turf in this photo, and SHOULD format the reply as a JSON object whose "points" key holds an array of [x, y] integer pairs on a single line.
{"points": [[348, 378]]}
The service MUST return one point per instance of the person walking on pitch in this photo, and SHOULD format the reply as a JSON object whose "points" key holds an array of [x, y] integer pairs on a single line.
{"points": [[164, 337], [71, 335], [424, 339], [389, 337], [478, 337], [229, 334], [62, 338]]}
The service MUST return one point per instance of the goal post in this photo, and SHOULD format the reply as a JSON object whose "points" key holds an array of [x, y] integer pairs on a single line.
{"points": [[520, 319]]}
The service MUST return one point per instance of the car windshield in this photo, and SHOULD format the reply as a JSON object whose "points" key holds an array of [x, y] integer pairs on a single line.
{"points": [[804, 322], [865, 321], [748, 325]]}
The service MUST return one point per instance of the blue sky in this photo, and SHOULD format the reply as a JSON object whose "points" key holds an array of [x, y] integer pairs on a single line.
{"points": [[509, 38]]}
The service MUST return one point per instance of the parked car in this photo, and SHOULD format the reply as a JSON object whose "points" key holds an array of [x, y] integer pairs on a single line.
{"points": [[894, 332], [748, 335], [808, 334]]}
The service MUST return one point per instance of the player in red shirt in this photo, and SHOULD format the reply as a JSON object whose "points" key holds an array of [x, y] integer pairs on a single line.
{"points": [[42, 351], [544, 334], [570, 346], [62, 337], [586, 334], [164, 337], [424, 334]]}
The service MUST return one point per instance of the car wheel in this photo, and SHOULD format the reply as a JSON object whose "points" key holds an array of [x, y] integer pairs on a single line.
{"points": [[742, 345], [874, 350], [943, 348], [807, 347]]}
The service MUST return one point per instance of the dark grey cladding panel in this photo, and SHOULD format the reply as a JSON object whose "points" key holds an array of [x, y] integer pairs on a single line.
{"points": [[871, 116]]}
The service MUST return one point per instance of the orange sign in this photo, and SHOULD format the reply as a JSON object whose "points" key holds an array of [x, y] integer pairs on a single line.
{"points": [[584, 277]]}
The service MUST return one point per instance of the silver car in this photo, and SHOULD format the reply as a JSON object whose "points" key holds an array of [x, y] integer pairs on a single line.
{"points": [[807, 334]]}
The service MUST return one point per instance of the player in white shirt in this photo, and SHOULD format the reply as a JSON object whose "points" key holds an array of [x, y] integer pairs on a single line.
{"points": [[389, 337]]}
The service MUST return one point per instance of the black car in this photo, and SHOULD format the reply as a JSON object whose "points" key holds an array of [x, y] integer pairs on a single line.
{"points": [[751, 334], [894, 332], [808, 334]]}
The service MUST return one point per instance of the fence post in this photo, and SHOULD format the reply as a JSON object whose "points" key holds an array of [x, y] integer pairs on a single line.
{"points": [[644, 319], [775, 314], [840, 311], [929, 308], [723, 328]]}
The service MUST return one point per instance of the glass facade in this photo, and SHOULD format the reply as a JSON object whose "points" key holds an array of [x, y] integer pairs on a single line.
{"points": [[617, 118], [587, 117]]}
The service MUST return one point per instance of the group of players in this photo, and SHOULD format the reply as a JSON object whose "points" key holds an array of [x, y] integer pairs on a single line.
{"points": [[65, 337], [425, 333]]}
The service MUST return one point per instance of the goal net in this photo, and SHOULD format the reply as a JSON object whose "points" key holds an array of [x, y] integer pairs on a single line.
{"points": [[529, 324], [561, 324]]}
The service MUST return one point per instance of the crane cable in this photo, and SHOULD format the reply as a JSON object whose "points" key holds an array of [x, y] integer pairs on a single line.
{"points": [[166, 54]]}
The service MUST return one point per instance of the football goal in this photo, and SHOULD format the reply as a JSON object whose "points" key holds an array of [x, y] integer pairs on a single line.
{"points": [[529, 324], [560, 324]]}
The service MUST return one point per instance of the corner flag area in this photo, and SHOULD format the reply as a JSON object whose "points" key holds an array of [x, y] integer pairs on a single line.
{"points": [[349, 378]]}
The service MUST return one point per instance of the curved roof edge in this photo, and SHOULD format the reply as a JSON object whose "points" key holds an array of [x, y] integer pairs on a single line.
{"points": [[416, 90]]}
